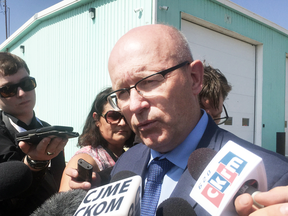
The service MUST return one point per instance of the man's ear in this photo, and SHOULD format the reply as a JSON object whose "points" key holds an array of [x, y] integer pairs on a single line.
{"points": [[206, 105], [196, 73]]}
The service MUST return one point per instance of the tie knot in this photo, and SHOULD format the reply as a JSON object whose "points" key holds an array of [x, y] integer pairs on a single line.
{"points": [[157, 169]]}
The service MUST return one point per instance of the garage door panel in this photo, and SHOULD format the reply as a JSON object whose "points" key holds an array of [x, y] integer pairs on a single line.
{"points": [[244, 131], [218, 41], [236, 60], [240, 67], [245, 87], [235, 103]]}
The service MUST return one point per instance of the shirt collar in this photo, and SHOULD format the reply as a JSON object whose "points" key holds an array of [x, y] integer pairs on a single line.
{"points": [[35, 123], [180, 155]]}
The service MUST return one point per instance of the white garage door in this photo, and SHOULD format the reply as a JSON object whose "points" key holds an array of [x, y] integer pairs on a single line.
{"points": [[236, 60]]}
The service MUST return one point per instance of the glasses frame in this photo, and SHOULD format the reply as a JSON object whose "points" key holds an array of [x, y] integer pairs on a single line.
{"points": [[226, 117], [163, 73], [105, 116], [14, 87]]}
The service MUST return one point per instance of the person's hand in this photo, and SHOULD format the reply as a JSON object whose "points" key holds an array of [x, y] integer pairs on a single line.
{"points": [[74, 184], [275, 202], [47, 149]]}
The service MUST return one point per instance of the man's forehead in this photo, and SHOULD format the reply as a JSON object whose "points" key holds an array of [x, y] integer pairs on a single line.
{"points": [[13, 78], [131, 75], [123, 78]]}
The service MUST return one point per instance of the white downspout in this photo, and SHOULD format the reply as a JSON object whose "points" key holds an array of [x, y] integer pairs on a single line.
{"points": [[154, 11]]}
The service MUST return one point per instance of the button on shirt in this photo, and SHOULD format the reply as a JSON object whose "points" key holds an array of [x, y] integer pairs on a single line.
{"points": [[179, 157]]}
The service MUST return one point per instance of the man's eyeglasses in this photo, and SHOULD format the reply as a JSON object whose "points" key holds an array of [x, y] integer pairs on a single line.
{"points": [[222, 120], [11, 90], [146, 87], [113, 117]]}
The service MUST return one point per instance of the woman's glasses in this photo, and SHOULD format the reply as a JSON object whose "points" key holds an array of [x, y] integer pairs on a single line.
{"points": [[11, 90], [113, 117]]}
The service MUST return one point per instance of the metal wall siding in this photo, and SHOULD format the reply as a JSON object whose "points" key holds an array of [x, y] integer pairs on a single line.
{"points": [[68, 56]]}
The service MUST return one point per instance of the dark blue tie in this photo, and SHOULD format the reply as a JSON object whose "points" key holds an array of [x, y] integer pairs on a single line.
{"points": [[156, 172]]}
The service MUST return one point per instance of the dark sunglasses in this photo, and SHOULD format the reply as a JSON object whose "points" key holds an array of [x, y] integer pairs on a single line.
{"points": [[113, 117], [11, 90]]}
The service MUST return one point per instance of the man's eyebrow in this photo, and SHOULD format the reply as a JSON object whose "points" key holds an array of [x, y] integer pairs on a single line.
{"points": [[11, 83]]}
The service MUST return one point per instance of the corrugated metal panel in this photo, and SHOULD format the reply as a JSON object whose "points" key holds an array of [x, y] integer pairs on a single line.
{"points": [[68, 56]]}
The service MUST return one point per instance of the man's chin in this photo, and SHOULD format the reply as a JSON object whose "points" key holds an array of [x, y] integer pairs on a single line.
{"points": [[155, 144]]}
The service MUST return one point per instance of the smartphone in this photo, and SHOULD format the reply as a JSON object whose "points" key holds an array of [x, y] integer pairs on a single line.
{"points": [[84, 170], [36, 135]]}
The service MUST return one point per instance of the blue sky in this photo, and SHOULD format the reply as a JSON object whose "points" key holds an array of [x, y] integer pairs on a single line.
{"points": [[22, 10]]}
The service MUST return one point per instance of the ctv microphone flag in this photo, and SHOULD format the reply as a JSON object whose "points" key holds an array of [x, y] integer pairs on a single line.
{"points": [[226, 173], [119, 198]]}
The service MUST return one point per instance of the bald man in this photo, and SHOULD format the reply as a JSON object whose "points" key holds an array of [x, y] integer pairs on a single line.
{"points": [[156, 83]]}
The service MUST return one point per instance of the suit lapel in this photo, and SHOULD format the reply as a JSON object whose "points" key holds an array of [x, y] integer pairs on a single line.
{"points": [[184, 187], [186, 181]]}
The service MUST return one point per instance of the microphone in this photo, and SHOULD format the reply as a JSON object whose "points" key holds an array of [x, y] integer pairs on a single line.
{"points": [[175, 206], [122, 175], [105, 175], [15, 178], [232, 171], [121, 197], [199, 160], [63, 203]]}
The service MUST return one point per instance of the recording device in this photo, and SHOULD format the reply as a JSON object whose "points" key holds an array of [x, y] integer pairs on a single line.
{"points": [[15, 178], [84, 170], [36, 135], [175, 206], [232, 171], [118, 198]]}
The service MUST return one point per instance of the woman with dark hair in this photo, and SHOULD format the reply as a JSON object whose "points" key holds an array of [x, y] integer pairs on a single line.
{"points": [[104, 135]]}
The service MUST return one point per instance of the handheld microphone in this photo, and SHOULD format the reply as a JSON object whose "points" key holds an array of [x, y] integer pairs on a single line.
{"points": [[232, 171], [175, 206], [15, 178], [122, 175], [199, 160], [63, 203], [121, 197]]}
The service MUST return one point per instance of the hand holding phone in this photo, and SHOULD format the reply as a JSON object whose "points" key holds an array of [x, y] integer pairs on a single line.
{"points": [[36, 135], [84, 170]]}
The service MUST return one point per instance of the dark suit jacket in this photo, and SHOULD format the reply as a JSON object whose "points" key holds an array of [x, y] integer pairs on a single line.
{"points": [[276, 165]]}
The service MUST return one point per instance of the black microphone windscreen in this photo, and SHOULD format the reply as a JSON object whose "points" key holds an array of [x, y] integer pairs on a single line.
{"points": [[175, 206], [122, 175], [15, 178], [63, 203], [198, 161], [105, 175]]}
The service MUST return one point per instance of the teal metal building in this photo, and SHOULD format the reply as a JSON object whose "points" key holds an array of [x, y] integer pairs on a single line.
{"points": [[67, 52]]}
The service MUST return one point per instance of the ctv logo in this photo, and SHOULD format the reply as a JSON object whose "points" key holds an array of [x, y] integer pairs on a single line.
{"points": [[230, 167]]}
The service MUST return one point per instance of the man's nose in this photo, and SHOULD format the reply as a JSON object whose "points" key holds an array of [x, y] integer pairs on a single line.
{"points": [[137, 101], [20, 92]]}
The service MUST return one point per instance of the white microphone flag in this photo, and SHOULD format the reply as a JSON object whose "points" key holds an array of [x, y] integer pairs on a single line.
{"points": [[119, 198], [230, 168]]}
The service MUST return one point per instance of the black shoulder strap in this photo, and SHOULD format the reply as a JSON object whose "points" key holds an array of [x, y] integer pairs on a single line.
{"points": [[111, 154]]}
